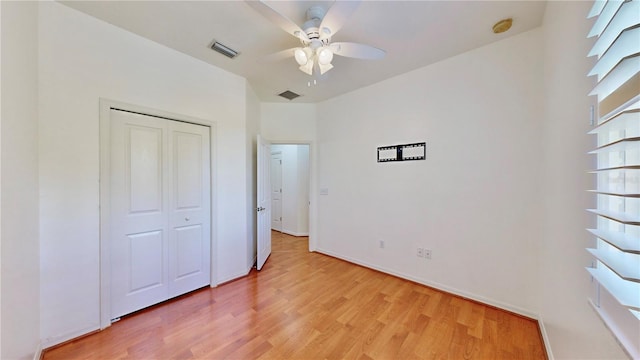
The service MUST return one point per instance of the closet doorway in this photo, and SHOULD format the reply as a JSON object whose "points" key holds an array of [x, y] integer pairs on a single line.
{"points": [[156, 207]]}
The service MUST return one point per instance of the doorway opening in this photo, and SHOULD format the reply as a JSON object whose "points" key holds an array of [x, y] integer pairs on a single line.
{"points": [[290, 189]]}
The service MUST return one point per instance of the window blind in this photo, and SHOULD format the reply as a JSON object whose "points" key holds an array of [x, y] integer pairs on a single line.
{"points": [[615, 271]]}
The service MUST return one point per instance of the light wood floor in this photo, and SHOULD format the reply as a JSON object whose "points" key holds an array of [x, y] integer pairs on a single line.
{"points": [[309, 306]]}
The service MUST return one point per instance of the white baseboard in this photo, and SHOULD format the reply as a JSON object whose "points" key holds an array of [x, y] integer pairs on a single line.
{"points": [[438, 286], [59, 339], [545, 339], [234, 276], [38, 354], [292, 233]]}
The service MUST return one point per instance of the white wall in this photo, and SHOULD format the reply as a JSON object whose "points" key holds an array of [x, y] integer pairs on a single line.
{"points": [[474, 201], [19, 158], [295, 188], [573, 329], [288, 122], [82, 59]]}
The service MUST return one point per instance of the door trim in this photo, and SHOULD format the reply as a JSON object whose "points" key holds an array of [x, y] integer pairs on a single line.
{"points": [[106, 106]]}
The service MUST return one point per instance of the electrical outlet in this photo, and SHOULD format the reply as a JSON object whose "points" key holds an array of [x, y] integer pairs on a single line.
{"points": [[381, 244], [420, 252], [427, 253]]}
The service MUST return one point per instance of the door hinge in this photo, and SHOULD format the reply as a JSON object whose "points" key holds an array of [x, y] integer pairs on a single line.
{"points": [[280, 218]]}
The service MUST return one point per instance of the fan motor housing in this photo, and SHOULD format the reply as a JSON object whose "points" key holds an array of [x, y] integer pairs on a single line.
{"points": [[315, 12], [313, 33], [311, 27]]}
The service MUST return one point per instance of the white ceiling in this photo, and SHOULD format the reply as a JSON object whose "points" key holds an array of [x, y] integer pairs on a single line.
{"points": [[413, 33]]}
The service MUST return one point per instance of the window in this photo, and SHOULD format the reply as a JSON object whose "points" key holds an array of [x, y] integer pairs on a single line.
{"points": [[616, 251]]}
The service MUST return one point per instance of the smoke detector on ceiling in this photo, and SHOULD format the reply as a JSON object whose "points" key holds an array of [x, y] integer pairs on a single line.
{"points": [[502, 26]]}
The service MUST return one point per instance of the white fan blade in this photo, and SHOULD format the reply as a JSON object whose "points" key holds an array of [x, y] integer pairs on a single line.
{"points": [[336, 16], [280, 55], [280, 20], [358, 51]]}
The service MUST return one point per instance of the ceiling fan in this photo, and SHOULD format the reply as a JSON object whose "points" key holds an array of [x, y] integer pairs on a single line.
{"points": [[317, 50]]}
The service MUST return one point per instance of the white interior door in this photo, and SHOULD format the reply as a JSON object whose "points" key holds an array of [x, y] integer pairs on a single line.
{"points": [[263, 201], [139, 228], [276, 191], [160, 210], [190, 214]]}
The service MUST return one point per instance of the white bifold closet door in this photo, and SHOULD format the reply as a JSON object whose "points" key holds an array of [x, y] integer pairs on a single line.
{"points": [[160, 210]]}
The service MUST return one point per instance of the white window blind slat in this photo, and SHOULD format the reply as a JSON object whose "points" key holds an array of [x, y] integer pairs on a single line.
{"points": [[625, 18], [626, 292], [620, 74], [623, 241], [607, 13], [627, 45], [618, 216], [622, 144], [616, 192], [626, 266], [596, 9]]}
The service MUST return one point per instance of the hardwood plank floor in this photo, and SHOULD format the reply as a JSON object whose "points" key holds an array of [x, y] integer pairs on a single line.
{"points": [[309, 306]]}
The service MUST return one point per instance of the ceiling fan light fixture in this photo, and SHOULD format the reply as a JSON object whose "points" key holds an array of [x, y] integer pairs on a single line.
{"points": [[301, 56], [325, 56], [324, 68], [307, 68], [316, 51]]}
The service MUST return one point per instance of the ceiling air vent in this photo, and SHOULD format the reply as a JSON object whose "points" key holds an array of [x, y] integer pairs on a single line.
{"points": [[224, 50], [289, 95]]}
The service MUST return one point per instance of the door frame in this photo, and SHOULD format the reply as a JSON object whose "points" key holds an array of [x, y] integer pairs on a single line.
{"points": [[313, 197], [106, 105]]}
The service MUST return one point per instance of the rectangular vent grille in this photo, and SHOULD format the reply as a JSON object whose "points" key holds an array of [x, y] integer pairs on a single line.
{"points": [[224, 50], [289, 95]]}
